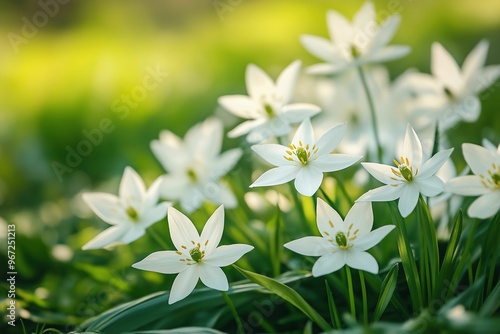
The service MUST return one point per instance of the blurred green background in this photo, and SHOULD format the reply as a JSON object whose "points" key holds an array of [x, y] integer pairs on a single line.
{"points": [[71, 70]]}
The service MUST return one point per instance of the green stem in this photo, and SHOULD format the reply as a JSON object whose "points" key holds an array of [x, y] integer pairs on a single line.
{"points": [[233, 312], [162, 243], [344, 191], [351, 292], [363, 294], [372, 112], [299, 206]]}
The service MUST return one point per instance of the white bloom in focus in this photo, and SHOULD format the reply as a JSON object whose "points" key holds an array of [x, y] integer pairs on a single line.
{"points": [[342, 242], [450, 95], [195, 166], [353, 44], [197, 256], [305, 159], [267, 108], [485, 183], [410, 178], [130, 213]]}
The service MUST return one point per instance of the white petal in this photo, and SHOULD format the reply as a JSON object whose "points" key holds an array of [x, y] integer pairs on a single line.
{"points": [[308, 181], [164, 262], [240, 105], [131, 185], [412, 149], [133, 233], [225, 255], [326, 214], [361, 218], [204, 140], [431, 186], [182, 230], [275, 176], [478, 158], [246, 127], [371, 239], [106, 237], [173, 185], [221, 195], [365, 16], [225, 162], [183, 284], [285, 84], [297, 112], [362, 261], [469, 185], [434, 164], [387, 31], [328, 264], [166, 148], [383, 173], [326, 69], [475, 60], [152, 195], [341, 31], [212, 232], [335, 162], [213, 277], [485, 206], [468, 108], [387, 53], [105, 206], [331, 139], [382, 194], [408, 200], [309, 246], [259, 84], [320, 47], [445, 68], [487, 76], [192, 198], [305, 133], [273, 153]]}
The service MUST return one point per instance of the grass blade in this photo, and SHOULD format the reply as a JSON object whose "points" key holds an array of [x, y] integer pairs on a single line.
{"points": [[386, 292], [334, 313]]}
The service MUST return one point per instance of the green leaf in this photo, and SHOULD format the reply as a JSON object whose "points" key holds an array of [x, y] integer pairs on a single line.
{"points": [[287, 294], [430, 240], [386, 292], [334, 313], [407, 258], [492, 303], [276, 243], [187, 330]]}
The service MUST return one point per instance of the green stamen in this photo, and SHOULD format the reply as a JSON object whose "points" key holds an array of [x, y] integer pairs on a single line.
{"points": [[196, 254], [341, 240], [132, 213], [406, 172]]}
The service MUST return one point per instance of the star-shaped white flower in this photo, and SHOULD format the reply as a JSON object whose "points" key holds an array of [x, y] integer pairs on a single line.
{"points": [[410, 178], [130, 213], [450, 95], [342, 242], [197, 256], [353, 44], [485, 183], [305, 159], [268, 107], [195, 166]]}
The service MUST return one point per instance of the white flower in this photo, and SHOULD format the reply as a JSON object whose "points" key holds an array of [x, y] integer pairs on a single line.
{"points": [[410, 178], [195, 166], [485, 183], [130, 213], [267, 108], [305, 159], [353, 44], [197, 256], [343, 242], [450, 95]]}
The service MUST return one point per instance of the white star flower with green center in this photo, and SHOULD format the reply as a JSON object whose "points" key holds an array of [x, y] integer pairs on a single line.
{"points": [[305, 159], [353, 44], [342, 242], [130, 213], [268, 107], [409, 178], [195, 166], [197, 256], [485, 183], [450, 94]]}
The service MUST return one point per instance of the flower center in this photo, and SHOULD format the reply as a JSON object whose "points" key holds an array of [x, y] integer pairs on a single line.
{"points": [[405, 170], [269, 111], [355, 52], [132, 213], [449, 94], [302, 153], [345, 240], [196, 254], [341, 240], [192, 175], [493, 181]]}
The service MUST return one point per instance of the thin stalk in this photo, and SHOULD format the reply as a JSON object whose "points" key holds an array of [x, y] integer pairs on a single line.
{"points": [[233, 312], [342, 188], [372, 112], [162, 243], [298, 204], [351, 292], [363, 294]]}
